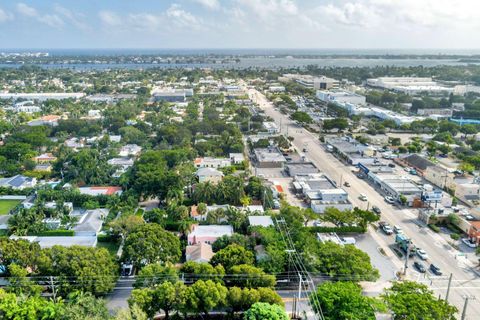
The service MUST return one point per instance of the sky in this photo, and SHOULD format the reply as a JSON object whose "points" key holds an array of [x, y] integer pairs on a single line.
{"points": [[364, 24]]}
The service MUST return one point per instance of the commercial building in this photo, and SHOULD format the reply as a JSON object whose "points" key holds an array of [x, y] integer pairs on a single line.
{"points": [[300, 168], [321, 193], [276, 89], [271, 127], [336, 96], [269, 158], [445, 113], [42, 96], [350, 150], [409, 85], [419, 163], [312, 82]]}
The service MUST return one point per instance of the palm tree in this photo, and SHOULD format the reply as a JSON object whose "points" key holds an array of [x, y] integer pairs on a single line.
{"points": [[184, 226]]}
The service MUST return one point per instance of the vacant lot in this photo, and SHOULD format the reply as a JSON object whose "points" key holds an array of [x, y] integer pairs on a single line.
{"points": [[7, 205]]}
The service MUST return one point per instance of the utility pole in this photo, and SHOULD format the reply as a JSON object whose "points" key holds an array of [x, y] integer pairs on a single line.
{"points": [[448, 288], [299, 289], [406, 261], [54, 290], [464, 312]]}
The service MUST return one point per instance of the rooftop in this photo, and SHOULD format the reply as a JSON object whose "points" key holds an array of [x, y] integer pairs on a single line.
{"points": [[262, 221]]}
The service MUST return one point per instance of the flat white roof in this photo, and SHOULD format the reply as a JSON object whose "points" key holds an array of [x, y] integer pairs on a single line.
{"points": [[212, 230], [48, 242], [262, 221]]}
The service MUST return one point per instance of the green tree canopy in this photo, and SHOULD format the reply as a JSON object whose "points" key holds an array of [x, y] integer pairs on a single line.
{"points": [[343, 301], [150, 243], [410, 300], [265, 311]]}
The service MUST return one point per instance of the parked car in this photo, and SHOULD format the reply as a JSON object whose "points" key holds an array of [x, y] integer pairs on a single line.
{"points": [[419, 266], [422, 254], [389, 200], [304, 150], [346, 184], [397, 229], [387, 229], [391, 165], [363, 197], [413, 172], [348, 240], [469, 243], [435, 270], [376, 210]]}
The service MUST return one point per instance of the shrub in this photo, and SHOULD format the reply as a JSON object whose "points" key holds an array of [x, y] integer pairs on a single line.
{"points": [[344, 229], [434, 228], [56, 233], [455, 236]]}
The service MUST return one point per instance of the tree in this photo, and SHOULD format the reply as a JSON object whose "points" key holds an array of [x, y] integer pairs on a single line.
{"points": [[125, 224], [85, 306], [265, 311], [340, 261], [248, 276], [466, 167], [133, 313], [19, 283], [204, 296], [94, 270], [338, 123], [150, 243], [194, 271], [13, 307], [154, 274], [410, 300], [231, 256], [301, 117], [342, 301]]}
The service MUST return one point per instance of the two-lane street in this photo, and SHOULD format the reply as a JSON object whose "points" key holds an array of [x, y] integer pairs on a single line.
{"points": [[439, 251]]}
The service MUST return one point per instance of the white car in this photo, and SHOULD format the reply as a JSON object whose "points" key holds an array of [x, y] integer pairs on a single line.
{"points": [[397, 229], [469, 243], [389, 200], [348, 240], [363, 197], [422, 254]]}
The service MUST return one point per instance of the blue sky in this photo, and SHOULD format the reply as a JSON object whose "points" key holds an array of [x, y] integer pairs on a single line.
{"points": [[240, 24]]}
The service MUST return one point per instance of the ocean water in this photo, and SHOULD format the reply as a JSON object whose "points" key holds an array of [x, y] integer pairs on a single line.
{"points": [[263, 58]]}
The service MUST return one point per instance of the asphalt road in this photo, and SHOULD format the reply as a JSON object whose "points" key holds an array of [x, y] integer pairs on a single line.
{"points": [[439, 251]]}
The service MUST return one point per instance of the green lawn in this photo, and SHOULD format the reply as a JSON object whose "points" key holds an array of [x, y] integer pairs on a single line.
{"points": [[7, 205], [112, 247]]}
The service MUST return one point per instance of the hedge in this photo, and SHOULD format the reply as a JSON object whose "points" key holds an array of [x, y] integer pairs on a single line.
{"points": [[434, 228], [56, 233], [345, 229], [106, 238]]}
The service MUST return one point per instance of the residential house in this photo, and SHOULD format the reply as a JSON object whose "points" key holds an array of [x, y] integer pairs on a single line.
{"points": [[209, 175], [45, 158], [236, 158], [200, 252], [130, 150], [97, 191], [261, 221], [18, 182], [48, 242], [209, 162], [208, 233]]}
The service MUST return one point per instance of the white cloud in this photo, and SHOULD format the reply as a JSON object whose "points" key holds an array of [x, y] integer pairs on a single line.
{"points": [[52, 20], [209, 4], [5, 16], [110, 18], [181, 17], [26, 10], [75, 19], [408, 14]]}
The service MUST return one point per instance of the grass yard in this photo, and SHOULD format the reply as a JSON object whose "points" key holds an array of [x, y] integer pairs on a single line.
{"points": [[7, 205], [112, 247]]}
